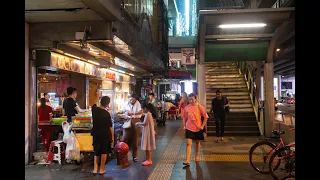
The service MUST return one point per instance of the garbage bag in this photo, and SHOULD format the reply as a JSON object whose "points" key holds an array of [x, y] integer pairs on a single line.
{"points": [[72, 148]]}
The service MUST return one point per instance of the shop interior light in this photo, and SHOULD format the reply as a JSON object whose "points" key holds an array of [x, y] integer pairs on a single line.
{"points": [[120, 71], [131, 74], [92, 62], [72, 55], [113, 69], [252, 25], [278, 50]]}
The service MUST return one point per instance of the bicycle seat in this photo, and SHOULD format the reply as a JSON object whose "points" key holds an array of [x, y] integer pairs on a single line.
{"points": [[277, 133]]}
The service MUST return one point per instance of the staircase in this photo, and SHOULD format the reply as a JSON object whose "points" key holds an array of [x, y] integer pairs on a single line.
{"points": [[241, 120]]}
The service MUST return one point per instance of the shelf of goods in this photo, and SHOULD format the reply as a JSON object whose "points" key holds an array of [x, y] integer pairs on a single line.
{"points": [[118, 123]]}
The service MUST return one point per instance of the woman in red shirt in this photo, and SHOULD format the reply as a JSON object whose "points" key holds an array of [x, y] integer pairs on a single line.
{"points": [[44, 112]]}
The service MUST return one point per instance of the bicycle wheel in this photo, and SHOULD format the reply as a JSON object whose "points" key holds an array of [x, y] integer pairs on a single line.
{"points": [[259, 155], [284, 159]]}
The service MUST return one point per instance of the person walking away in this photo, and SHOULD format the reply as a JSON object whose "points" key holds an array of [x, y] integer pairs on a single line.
{"points": [[219, 108], [194, 126], [102, 133], [132, 133], [44, 112], [154, 102], [148, 140], [70, 106]]}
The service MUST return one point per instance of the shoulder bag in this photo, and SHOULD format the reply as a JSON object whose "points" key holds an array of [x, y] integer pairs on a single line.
{"points": [[202, 119], [127, 124]]}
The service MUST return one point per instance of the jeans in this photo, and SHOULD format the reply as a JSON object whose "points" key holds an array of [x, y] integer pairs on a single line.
{"points": [[220, 120]]}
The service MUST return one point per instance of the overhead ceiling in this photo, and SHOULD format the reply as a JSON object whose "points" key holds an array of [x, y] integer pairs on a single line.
{"points": [[37, 11]]}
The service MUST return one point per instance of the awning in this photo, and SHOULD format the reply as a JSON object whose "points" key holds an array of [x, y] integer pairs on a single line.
{"points": [[179, 74]]}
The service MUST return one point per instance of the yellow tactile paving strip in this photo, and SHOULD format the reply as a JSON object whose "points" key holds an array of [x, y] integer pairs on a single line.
{"points": [[171, 155], [225, 157]]}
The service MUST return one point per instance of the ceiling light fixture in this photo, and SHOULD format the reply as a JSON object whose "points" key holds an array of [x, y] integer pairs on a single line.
{"points": [[278, 50], [242, 25]]}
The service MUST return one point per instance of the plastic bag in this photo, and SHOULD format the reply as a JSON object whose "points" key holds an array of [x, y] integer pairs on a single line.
{"points": [[73, 148]]}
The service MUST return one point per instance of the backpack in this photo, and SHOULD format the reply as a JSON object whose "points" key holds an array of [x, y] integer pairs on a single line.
{"points": [[227, 109]]}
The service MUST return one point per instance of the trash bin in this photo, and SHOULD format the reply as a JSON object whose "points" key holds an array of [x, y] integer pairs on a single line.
{"points": [[121, 149]]}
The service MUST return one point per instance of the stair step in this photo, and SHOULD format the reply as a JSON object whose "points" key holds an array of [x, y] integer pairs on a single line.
{"points": [[221, 63], [213, 94], [235, 123], [226, 83], [235, 128], [224, 76], [239, 101], [225, 79], [214, 73], [232, 105], [241, 110], [227, 86], [236, 133], [222, 68]]}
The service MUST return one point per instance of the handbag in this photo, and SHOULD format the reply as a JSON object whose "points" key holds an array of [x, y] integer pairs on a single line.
{"points": [[127, 124], [227, 109]]}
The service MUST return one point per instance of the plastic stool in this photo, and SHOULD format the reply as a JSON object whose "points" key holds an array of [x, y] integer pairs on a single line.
{"points": [[56, 151]]}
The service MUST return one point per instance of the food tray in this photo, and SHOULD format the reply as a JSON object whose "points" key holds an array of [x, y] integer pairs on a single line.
{"points": [[85, 142]]}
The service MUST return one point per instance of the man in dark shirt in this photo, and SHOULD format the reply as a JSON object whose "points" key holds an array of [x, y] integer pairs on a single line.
{"points": [[70, 106], [219, 105], [102, 133]]}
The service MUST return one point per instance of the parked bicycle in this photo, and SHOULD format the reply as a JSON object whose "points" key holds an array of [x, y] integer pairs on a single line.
{"points": [[262, 151], [282, 163]]}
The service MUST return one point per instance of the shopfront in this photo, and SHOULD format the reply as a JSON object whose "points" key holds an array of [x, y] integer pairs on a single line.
{"points": [[55, 73]]}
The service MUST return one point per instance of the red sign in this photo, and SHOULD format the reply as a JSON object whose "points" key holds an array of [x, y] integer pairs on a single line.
{"points": [[111, 76], [148, 87]]}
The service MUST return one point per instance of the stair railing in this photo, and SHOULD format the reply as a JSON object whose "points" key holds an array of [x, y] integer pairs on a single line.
{"points": [[246, 70]]}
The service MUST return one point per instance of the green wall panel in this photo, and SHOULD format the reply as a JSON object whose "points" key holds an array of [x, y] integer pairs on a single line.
{"points": [[236, 52]]}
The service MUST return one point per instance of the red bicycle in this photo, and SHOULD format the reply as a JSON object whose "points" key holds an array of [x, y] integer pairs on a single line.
{"points": [[282, 163], [260, 153]]}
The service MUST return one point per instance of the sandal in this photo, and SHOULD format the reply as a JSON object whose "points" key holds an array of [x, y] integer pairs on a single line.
{"points": [[93, 173], [186, 163], [102, 173], [135, 159], [197, 159]]}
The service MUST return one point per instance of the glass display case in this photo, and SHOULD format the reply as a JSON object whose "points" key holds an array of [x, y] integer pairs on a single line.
{"points": [[111, 94]]}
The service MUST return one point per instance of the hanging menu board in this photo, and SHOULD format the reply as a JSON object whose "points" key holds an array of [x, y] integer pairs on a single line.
{"points": [[74, 65]]}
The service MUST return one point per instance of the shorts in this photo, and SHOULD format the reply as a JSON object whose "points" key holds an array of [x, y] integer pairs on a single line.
{"points": [[194, 135], [101, 145]]}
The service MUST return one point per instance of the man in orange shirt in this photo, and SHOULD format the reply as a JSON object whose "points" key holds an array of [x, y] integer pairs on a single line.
{"points": [[194, 125]]}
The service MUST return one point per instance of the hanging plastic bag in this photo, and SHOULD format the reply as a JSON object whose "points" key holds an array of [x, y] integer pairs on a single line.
{"points": [[72, 148]]}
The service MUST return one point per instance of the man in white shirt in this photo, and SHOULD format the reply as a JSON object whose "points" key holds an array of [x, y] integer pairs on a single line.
{"points": [[133, 112]]}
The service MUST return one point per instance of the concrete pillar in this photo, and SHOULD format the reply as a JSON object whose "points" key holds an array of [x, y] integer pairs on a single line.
{"points": [[26, 95], [201, 84], [33, 120], [279, 87], [253, 4], [269, 97], [258, 80], [201, 69]]}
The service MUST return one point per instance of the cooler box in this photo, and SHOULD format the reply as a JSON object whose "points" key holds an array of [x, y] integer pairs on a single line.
{"points": [[85, 141]]}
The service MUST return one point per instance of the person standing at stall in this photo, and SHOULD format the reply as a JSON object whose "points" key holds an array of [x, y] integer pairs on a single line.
{"points": [[131, 133], [70, 106], [47, 98], [154, 102], [44, 112], [148, 140], [102, 133]]}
